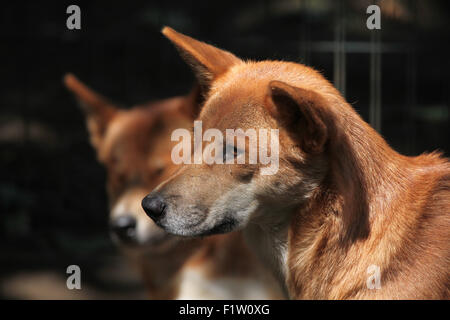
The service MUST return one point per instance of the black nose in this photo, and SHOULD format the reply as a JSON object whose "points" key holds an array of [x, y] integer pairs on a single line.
{"points": [[124, 227], [154, 206]]}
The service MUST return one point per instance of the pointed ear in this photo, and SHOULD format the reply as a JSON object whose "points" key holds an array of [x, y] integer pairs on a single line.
{"points": [[207, 62], [97, 109], [302, 113]]}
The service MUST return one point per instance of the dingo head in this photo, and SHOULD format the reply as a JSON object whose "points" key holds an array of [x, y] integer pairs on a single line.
{"points": [[134, 145], [202, 198]]}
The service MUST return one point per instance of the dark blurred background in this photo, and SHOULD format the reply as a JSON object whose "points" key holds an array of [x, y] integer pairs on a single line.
{"points": [[53, 204]]}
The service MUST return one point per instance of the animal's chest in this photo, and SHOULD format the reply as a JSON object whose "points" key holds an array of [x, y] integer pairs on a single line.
{"points": [[195, 284], [271, 250]]}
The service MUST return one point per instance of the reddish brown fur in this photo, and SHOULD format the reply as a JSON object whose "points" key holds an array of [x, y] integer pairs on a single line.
{"points": [[356, 201]]}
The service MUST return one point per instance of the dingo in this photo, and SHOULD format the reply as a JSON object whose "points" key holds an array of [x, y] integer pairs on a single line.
{"points": [[341, 201], [134, 145]]}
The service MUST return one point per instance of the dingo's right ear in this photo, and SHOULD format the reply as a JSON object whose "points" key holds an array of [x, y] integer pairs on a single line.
{"points": [[207, 62], [302, 113], [98, 110]]}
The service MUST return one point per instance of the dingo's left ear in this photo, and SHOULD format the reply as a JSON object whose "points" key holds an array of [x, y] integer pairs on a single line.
{"points": [[207, 62], [301, 113], [97, 109]]}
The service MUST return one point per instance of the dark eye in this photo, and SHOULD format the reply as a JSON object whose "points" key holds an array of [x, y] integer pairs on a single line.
{"points": [[232, 153], [159, 171], [235, 151]]}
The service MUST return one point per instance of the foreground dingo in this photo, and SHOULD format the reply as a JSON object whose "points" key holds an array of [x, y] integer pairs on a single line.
{"points": [[342, 202]]}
